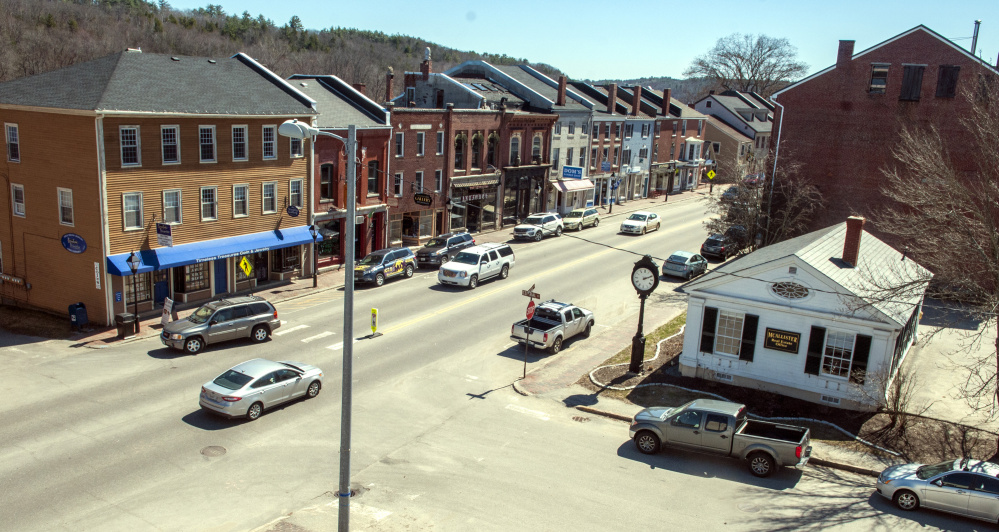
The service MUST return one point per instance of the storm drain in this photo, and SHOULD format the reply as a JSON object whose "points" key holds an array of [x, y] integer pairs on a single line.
{"points": [[213, 451], [749, 508], [580, 419]]}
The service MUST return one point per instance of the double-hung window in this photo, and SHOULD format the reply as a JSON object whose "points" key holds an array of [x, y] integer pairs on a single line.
{"points": [[558, 128], [593, 157], [269, 197], [172, 207], [209, 203], [729, 334], [572, 128], [645, 130], [269, 141], [13, 143], [397, 185], [440, 143], [838, 354], [239, 143], [556, 154], [131, 206], [373, 173], [582, 157], [65, 206], [326, 182], [170, 144], [240, 201], [629, 130], [700, 126], [296, 148], [617, 130], [295, 193], [419, 182], [438, 180], [515, 151], [400, 144], [420, 141], [206, 142], [879, 78], [17, 199], [568, 156], [643, 153], [129, 136], [536, 149]]}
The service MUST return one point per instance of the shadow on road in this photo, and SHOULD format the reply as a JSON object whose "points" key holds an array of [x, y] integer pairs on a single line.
{"points": [[169, 353], [937, 313]]}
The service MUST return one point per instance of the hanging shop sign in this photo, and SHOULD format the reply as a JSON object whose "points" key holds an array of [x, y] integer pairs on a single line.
{"points": [[423, 199], [292, 211], [74, 243], [164, 234]]}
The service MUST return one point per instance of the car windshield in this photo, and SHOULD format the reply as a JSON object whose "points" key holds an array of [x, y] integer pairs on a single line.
{"points": [[232, 380], [678, 259], [201, 315], [374, 258], [714, 242], [436, 243], [574, 214], [928, 471], [533, 220], [466, 258], [639, 217]]}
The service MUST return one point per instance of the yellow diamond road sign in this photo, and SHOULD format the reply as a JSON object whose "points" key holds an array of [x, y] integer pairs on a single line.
{"points": [[246, 266], [711, 174]]}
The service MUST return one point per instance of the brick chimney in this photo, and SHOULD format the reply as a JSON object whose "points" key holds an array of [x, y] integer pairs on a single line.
{"points": [[845, 53], [611, 98], [851, 245], [636, 99], [360, 87], [667, 96], [389, 76], [560, 100], [425, 66]]}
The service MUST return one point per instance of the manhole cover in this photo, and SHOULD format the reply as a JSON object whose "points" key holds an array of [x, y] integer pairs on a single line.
{"points": [[213, 450], [580, 419], [749, 508]]}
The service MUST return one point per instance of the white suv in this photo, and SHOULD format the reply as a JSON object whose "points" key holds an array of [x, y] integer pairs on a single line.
{"points": [[477, 263], [536, 226]]}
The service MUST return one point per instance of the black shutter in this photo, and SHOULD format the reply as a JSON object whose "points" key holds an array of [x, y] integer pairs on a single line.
{"points": [[861, 350], [749, 326], [816, 344], [708, 330], [947, 81], [912, 80]]}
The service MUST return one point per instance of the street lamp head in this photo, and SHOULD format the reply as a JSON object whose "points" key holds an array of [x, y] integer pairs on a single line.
{"points": [[134, 261], [296, 130], [312, 231]]}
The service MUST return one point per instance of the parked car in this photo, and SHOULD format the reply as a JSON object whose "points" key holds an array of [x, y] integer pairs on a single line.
{"points": [[476, 264], [720, 246], [685, 264], [641, 222], [731, 193], [537, 226], [553, 323], [384, 264], [256, 385], [721, 427], [225, 319], [582, 218], [442, 248], [962, 486]]}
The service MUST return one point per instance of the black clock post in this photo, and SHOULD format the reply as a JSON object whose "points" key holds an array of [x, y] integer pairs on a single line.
{"points": [[645, 279]]}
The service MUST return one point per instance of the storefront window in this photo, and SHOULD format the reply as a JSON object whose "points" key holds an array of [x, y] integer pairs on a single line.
{"points": [[427, 223], [192, 277], [142, 285], [395, 228], [457, 215], [286, 259], [510, 204], [329, 247], [489, 211]]}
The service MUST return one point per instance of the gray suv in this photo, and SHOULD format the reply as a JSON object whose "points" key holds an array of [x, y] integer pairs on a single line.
{"points": [[439, 250], [226, 319]]}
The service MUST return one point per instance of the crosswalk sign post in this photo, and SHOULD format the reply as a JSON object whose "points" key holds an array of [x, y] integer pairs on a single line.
{"points": [[374, 323], [246, 266]]}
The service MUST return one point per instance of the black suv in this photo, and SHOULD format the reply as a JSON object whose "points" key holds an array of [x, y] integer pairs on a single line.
{"points": [[443, 248]]}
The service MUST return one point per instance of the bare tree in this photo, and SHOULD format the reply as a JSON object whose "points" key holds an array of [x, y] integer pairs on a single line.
{"points": [[755, 63]]}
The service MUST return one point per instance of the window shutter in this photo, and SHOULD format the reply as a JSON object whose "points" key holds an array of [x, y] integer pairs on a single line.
{"points": [[708, 330], [861, 350], [912, 80], [816, 344], [947, 81], [748, 347]]}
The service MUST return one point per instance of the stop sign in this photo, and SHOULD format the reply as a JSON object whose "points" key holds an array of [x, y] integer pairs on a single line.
{"points": [[530, 309]]}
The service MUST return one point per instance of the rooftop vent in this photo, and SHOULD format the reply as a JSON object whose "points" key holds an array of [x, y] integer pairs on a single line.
{"points": [[304, 84], [175, 59], [137, 50], [212, 61]]}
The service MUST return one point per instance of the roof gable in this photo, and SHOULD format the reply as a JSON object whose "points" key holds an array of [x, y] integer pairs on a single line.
{"points": [[338, 103]]}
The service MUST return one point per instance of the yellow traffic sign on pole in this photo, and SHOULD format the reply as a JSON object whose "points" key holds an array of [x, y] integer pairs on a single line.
{"points": [[374, 322], [246, 266], [711, 174]]}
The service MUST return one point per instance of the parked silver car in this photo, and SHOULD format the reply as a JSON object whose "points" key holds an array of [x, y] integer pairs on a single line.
{"points": [[963, 486], [217, 321], [256, 385], [582, 218], [685, 264]]}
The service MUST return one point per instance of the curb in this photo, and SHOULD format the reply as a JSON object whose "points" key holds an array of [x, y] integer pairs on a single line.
{"points": [[604, 413], [520, 390]]}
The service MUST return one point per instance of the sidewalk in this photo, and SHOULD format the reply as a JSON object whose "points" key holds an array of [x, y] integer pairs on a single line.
{"points": [[333, 278]]}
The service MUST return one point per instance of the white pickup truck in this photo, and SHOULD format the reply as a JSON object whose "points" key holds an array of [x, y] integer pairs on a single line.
{"points": [[553, 323]]}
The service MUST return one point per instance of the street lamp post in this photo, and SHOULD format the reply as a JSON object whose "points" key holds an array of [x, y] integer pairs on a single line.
{"points": [[315, 256], [133, 264], [298, 130]]}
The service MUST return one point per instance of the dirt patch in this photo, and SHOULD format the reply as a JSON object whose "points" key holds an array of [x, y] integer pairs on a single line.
{"points": [[35, 323], [921, 439]]}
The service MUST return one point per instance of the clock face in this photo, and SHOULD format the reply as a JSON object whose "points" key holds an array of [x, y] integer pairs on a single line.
{"points": [[643, 279]]}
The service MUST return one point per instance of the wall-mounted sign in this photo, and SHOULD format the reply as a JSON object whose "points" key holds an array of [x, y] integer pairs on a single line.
{"points": [[605, 166], [292, 211], [74, 243], [423, 199], [11, 279], [97, 274], [117, 297], [572, 172], [785, 341], [164, 234]]}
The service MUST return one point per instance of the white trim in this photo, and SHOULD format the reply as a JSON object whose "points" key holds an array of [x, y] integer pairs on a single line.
{"points": [[72, 210], [438, 180], [13, 204], [176, 136], [246, 142], [418, 179], [263, 142], [421, 143], [399, 144], [6, 133], [124, 215], [397, 184], [215, 151], [180, 205], [246, 200], [138, 146], [201, 203], [263, 197], [291, 148], [301, 193]]}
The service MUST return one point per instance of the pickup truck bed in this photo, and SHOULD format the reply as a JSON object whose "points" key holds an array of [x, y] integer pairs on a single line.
{"points": [[774, 432]]}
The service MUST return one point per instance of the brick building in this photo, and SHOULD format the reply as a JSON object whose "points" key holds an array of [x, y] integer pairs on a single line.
{"points": [[841, 123], [101, 152]]}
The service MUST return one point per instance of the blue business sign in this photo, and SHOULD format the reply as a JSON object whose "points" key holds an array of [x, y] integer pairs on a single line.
{"points": [[74, 243], [572, 172], [605, 166], [292, 211]]}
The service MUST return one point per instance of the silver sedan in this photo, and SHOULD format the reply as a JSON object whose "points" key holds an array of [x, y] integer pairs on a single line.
{"points": [[255, 385], [641, 222], [963, 486]]}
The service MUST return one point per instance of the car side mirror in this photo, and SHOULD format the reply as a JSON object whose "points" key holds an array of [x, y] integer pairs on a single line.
{"points": [[938, 482], [214, 321]]}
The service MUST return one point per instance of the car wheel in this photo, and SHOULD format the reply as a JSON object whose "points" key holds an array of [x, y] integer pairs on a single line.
{"points": [[537, 236], [313, 390], [194, 345], [473, 281], [409, 271], [647, 442], [445, 258], [558, 231], [657, 226], [556, 346], [260, 333], [505, 272], [643, 230], [689, 275], [906, 500], [379, 280], [586, 331], [596, 222], [254, 411], [761, 464]]}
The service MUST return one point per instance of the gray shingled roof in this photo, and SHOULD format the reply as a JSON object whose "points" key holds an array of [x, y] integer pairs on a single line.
{"points": [[157, 83], [823, 250], [734, 104], [339, 105], [494, 93], [522, 76]]}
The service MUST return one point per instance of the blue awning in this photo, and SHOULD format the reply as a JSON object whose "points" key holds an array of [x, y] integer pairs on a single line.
{"points": [[209, 250]]}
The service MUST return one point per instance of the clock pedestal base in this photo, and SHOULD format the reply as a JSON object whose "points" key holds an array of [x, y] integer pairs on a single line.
{"points": [[637, 353]]}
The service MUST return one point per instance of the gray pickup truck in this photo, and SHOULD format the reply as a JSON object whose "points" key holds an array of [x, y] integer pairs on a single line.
{"points": [[721, 427], [553, 323]]}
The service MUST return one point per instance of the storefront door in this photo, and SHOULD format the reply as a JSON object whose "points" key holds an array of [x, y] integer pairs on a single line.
{"points": [[221, 277], [161, 286], [260, 266]]}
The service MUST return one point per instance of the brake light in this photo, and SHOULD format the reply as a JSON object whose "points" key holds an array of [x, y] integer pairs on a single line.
{"points": [[473, 241], [512, 327], [546, 337], [797, 452], [723, 248], [229, 399]]}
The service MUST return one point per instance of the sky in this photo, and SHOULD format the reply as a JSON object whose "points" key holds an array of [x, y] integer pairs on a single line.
{"points": [[625, 40]]}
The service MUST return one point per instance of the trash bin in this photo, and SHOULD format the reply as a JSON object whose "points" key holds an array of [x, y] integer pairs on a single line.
{"points": [[79, 317], [125, 323], [72, 314]]}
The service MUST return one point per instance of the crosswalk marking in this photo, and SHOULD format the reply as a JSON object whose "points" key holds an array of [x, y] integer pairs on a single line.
{"points": [[339, 345], [540, 415], [318, 336], [286, 331]]}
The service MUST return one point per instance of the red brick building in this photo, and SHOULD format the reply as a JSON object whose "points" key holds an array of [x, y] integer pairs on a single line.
{"points": [[842, 122]]}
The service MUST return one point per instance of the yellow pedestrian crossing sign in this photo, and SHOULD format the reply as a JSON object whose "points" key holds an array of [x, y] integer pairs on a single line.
{"points": [[711, 174], [374, 321], [246, 266]]}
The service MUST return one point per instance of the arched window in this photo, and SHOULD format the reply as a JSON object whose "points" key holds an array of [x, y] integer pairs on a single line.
{"points": [[491, 150], [515, 151], [459, 152], [536, 149]]}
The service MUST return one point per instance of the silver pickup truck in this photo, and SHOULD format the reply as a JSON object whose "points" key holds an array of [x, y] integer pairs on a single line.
{"points": [[721, 427], [553, 323]]}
